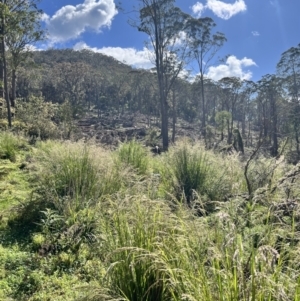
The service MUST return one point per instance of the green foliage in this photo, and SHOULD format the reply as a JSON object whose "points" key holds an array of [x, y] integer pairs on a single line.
{"points": [[190, 170], [37, 115], [151, 139], [3, 124], [75, 174], [124, 245], [261, 172], [138, 267], [25, 219], [134, 154], [221, 118], [65, 115], [10, 146], [190, 173]]}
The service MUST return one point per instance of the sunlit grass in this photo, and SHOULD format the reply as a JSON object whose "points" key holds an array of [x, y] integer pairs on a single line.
{"points": [[107, 232]]}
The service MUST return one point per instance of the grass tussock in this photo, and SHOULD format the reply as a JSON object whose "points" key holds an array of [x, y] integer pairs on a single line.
{"points": [[192, 174], [10, 146], [77, 173], [135, 155]]}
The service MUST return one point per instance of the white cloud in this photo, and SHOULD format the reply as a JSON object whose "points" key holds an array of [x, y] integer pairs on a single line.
{"points": [[226, 10], [70, 21], [255, 33], [198, 9], [181, 38], [44, 17], [232, 67], [130, 56], [33, 48], [219, 8]]}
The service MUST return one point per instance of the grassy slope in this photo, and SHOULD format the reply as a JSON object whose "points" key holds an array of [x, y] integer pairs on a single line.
{"points": [[22, 272], [114, 230]]}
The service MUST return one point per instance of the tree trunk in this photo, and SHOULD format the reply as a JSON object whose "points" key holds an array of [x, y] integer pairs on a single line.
{"points": [[297, 143], [203, 107], [3, 54], [13, 88], [229, 133], [174, 116], [274, 150], [1, 72], [244, 125], [164, 125]]}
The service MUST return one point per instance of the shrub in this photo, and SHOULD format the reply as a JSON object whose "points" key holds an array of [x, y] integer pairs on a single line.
{"points": [[37, 115], [137, 249]]}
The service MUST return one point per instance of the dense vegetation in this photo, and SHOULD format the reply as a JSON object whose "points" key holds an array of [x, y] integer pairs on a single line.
{"points": [[80, 222], [215, 216], [71, 84]]}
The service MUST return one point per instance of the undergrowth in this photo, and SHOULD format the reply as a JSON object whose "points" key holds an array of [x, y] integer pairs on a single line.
{"points": [[127, 225]]}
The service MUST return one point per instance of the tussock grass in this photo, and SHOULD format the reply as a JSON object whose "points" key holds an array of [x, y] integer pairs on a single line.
{"points": [[194, 175], [153, 253], [10, 146], [135, 155], [78, 173], [105, 233]]}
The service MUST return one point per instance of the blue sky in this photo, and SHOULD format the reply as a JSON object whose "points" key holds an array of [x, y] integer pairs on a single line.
{"points": [[257, 31]]}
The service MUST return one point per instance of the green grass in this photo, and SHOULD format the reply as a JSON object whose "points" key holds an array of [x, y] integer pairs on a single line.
{"points": [[198, 177], [74, 175], [100, 230], [15, 187], [135, 155]]}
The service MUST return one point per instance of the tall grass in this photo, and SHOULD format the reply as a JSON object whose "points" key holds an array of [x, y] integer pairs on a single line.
{"points": [[134, 154], [10, 145], [77, 173], [155, 254], [190, 173], [123, 243]]}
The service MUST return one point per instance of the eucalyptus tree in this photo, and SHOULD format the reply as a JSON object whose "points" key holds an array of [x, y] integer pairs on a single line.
{"points": [[269, 89], [288, 69], [71, 84], [244, 109], [19, 21], [164, 23], [231, 88], [26, 30], [203, 46]]}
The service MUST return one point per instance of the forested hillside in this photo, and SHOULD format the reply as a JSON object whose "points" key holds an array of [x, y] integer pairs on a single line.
{"points": [[83, 83]]}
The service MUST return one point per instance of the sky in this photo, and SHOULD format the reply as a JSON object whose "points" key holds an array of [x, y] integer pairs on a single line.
{"points": [[257, 31]]}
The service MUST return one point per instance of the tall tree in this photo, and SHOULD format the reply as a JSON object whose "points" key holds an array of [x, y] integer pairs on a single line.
{"points": [[163, 22], [288, 68], [269, 89], [18, 28], [231, 88], [203, 47], [25, 30]]}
